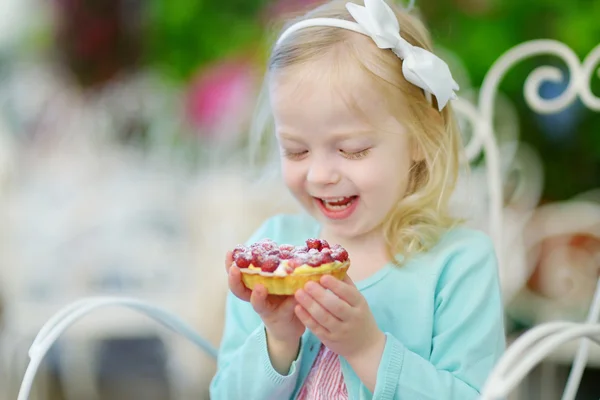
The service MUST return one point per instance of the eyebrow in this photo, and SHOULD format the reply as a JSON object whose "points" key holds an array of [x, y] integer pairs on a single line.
{"points": [[341, 135]]}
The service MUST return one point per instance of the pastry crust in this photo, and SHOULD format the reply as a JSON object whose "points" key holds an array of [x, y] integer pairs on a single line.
{"points": [[288, 284]]}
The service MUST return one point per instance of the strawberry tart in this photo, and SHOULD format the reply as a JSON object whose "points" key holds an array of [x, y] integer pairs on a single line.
{"points": [[283, 269]]}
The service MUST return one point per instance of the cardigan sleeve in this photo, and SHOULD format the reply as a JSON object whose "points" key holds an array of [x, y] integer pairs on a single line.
{"points": [[244, 369], [468, 333]]}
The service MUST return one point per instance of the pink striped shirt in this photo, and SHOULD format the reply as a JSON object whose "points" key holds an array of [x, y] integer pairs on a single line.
{"points": [[325, 380]]}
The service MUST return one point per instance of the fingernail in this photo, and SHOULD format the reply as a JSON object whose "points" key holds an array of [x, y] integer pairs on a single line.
{"points": [[326, 280]]}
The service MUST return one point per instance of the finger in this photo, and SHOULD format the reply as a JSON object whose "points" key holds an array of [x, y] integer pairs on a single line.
{"points": [[258, 299], [288, 305], [329, 300], [236, 285], [317, 311], [345, 289], [228, 260], [348, 280], [310, 322]]}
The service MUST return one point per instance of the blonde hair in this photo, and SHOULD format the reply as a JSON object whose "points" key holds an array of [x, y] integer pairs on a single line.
{"points": [[417, 220]]}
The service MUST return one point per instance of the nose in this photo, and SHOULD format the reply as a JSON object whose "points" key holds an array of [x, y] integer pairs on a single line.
{"points": [[323, 171]]}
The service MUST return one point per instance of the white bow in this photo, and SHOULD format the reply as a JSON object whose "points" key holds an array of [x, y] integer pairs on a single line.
{"points": [[377, 20], [420, 67]]}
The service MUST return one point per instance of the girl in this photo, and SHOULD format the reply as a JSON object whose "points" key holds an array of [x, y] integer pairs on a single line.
{"points": [[369, 146]]}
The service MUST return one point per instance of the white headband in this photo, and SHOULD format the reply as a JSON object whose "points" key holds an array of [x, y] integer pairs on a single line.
{"points": [[377, 20]]}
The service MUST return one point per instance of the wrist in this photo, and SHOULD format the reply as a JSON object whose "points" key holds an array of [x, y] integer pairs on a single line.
{"points": [[372, 350], [366, 361], [281, 342], [282, 353]]}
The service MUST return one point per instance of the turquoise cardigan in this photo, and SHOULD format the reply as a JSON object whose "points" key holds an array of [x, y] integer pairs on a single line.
{"points": [[441, 313]]}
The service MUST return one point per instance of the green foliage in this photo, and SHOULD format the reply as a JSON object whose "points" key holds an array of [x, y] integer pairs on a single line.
{"points": [[185, 34]]}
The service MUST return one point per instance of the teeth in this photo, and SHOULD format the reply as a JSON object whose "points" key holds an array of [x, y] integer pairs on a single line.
{"points": [[335, 200], [336, 207]]}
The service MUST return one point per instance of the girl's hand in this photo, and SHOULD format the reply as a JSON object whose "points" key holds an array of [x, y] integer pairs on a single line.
{"points": [[277, 312], [338, 314]]}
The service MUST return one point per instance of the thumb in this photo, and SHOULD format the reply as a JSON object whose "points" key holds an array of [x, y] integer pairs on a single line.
{"points": [[228, 260]]}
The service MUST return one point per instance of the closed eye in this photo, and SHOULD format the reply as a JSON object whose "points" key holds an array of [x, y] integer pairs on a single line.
{"points": [[294, 155], [355, 155]]}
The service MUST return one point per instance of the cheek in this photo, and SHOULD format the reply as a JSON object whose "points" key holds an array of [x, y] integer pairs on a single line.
{"points": [[384, 177], [293, 175]]}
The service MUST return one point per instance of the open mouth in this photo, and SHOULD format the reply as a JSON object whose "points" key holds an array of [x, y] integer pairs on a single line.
{"points": [[339, 203], [337, 207]]}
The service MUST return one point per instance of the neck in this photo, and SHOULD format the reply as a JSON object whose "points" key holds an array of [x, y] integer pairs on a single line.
{"points": [[369, 243], [367, 252]]}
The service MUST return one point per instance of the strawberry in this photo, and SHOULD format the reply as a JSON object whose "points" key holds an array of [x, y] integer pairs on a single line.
{"points": [[269, 264], [315, 260], [318, 244], [326, 257], [298, 260], [243, 259], [238, 249], [258, 257], [313, 244], [275, 252], [287, 247], [266, 244], [286, 255], [301, 249], [340, 255]]}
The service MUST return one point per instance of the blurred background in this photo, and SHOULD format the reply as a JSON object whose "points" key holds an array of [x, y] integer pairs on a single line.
{"points": [[123, 135]]}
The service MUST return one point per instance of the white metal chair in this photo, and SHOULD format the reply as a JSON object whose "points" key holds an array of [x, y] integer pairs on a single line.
{"points": [[531, 348]]}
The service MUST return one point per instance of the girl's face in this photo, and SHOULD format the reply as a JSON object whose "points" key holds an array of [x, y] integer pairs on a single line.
{"points": [[345, 172]]}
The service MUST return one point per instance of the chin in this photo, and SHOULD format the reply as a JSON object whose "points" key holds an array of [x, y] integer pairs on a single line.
{"points": [[342, 229]]}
